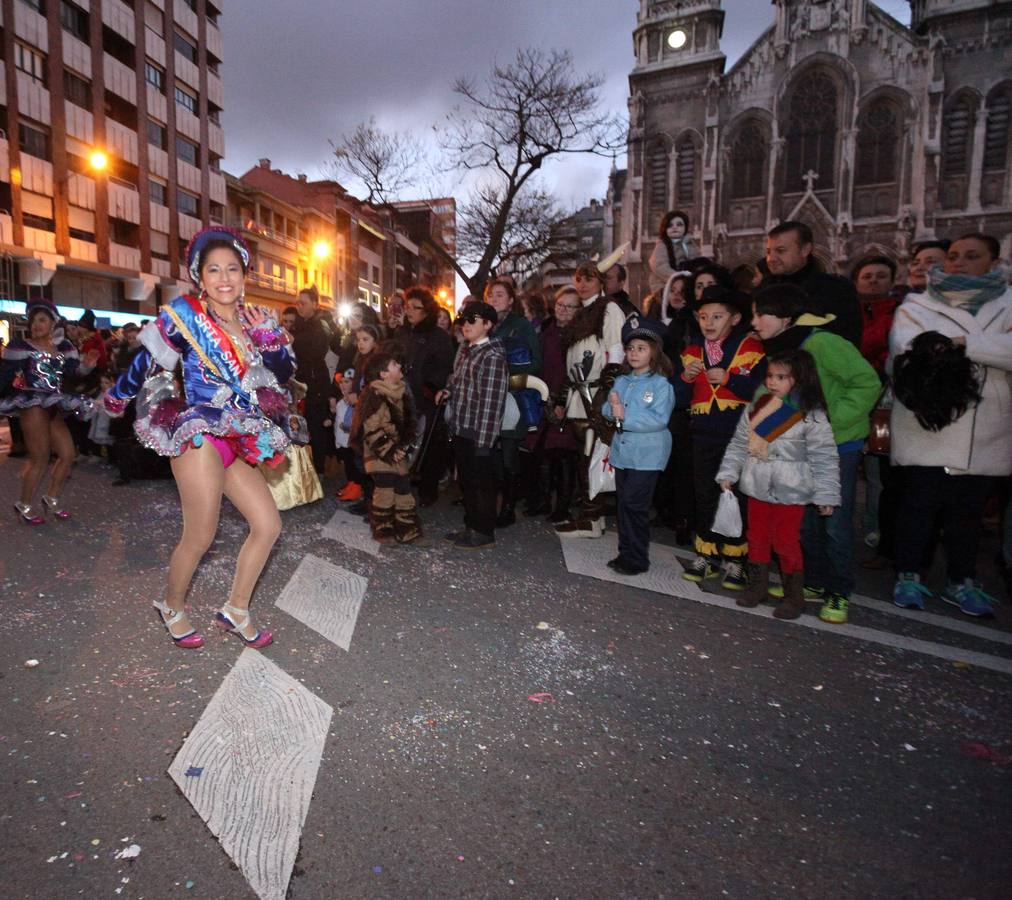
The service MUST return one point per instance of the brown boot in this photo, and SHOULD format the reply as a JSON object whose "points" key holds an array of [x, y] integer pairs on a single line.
{"points": [[758, 585], [381, 520], [793, 604]]}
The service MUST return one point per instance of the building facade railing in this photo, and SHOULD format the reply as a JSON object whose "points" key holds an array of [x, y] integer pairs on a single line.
{"points": [[251, 226]]}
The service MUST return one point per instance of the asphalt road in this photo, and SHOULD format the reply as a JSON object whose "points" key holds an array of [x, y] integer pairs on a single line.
{"points": [[684, 750]]}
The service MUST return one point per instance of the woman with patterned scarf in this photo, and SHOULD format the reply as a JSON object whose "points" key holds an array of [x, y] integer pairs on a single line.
{"points": [[231, 416], [949, 469]]}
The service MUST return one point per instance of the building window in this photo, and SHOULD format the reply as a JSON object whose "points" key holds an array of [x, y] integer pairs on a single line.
{"points": [[877, 144], [216, 211], [748, 162], [187, 151], [958, 128], [120, 110], [996, 135], [686, 171], [34, 141], [39, 222], [188, 203], [192, 4], [157, 135], [811, 132], [186, 99], [657, 178], [155, 76], [80, 234], [75, 20], [76, 89], [213, 113], [31, 62], [212, 14], [124, 233], [157, 193], [38, 5], [185, 46]]}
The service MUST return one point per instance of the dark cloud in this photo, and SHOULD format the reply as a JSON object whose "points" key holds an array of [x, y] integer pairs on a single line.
{"points": [[298, 72]]}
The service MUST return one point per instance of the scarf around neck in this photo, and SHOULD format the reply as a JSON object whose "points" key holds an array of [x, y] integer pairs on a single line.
{"points": [[969, 292], [769, 418]]}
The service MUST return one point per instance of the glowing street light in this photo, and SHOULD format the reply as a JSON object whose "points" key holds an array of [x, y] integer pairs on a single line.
{"points": [[98, 160], [321, 249], [442, 294]]}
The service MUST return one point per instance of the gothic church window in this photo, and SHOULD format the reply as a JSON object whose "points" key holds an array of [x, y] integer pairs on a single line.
{"points": [[956, 142], [996, 136], [877, 143], [811, 132], [657, 177], [686, 171], [748, 162]]}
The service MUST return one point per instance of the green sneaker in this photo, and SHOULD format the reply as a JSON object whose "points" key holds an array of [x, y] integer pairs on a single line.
{"points": [[811, 593], [700, 569], [834, 610]]}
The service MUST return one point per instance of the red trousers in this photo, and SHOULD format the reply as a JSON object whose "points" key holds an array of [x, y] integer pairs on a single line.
{"points": [[775, 526]]}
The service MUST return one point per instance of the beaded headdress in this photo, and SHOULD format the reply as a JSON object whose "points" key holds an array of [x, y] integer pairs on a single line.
{"points": [[195, 249]]}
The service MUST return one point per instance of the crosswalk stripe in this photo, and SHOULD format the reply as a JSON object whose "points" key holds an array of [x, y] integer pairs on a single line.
{"points": [[588, 557]]}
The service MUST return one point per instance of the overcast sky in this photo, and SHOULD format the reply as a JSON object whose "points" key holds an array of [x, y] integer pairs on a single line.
{"points": [[298, 72]]}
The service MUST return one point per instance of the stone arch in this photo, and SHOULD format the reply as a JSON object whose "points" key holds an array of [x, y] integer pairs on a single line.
{"points": [[688, 163], [746, 160], [657, 175]]}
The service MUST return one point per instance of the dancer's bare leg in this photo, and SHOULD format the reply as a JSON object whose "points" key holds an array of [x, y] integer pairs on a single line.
{"points": [[246, 488], [35, 428], [200, 477], [63, 446]]}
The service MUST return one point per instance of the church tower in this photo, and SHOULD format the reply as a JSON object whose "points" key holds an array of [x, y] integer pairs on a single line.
{"points": [[673, 93]]}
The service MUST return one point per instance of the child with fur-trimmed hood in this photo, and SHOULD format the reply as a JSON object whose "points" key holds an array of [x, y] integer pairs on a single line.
{"points": [[387, 430]]}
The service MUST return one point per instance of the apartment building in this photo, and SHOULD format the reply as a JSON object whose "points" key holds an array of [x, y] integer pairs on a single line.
{"points": [[110, 158], [291, 246]]}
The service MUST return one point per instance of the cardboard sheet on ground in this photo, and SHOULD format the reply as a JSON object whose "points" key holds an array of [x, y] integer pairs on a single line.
{"points": [[352, 531], [253, 757], [325, 597]]}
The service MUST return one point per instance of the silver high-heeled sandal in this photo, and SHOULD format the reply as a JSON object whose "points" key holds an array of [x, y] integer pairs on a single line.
{"points": [[55, 507], [234, 620], [169, 616], [29, 515]]}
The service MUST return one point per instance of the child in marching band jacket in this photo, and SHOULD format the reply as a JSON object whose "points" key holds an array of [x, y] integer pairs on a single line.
{"points": [[641, 404], [783, 457], [719, 377]]}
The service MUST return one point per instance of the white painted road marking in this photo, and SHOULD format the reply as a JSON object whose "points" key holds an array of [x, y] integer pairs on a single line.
{"points": [[352, 531], [325, 597], [253, 757], [588, 557]]}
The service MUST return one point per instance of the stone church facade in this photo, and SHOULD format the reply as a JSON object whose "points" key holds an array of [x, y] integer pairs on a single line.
{"points": [[875, 133]]}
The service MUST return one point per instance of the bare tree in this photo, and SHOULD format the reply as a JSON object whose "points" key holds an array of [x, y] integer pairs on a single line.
{"points": [[526, 237], [499, 137], [387, 163], [528, 112]]}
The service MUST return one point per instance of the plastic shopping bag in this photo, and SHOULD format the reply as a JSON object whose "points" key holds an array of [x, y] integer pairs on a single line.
{"points": [[728, 519], [602, 475]]}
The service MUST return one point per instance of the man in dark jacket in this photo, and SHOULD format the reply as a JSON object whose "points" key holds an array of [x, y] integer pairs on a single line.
{"points": [[789, 260], [428, 365], [312, 337]]}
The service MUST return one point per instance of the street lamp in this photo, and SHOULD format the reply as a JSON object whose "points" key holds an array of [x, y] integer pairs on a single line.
{"points": [[321, 249], [98, 160], [442, 294]]}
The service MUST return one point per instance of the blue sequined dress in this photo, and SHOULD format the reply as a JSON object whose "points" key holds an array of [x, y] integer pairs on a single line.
{"points": [[33, 377]]}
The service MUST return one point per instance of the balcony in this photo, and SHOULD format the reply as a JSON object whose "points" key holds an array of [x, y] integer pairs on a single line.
{"points": [[6, 229], [188, 176], [36, 175], [122, 141], [188, 226], [37, 239], [76, 55], [80, 190], [124, 257], [161, 267], [33, 98], [31, 26], [80, 123], [5, 158], [271, 282], [249, 226], [119, 79], [119, 17], [124, 202], [85, 250]]}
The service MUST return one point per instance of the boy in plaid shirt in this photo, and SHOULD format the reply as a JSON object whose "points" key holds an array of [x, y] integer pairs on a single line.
{"points": [[477, 397]]}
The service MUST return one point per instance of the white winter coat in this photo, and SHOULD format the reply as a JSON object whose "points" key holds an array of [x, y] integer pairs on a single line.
{"points": [[980, 441]]}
